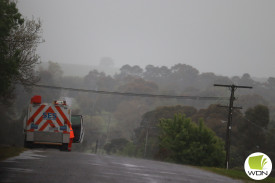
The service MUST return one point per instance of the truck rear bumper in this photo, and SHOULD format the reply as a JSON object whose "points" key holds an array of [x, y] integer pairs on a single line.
{"points": [[47, 137], [48, 143]]}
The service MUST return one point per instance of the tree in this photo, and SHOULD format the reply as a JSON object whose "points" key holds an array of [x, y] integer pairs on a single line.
{"points": [[10, 19], [253, 131], [127, 70], [247, 80], [140, 86], [249, 101], [25, 40], [151, 120], [19, 39], [183, 141], [156, 73], [206, 80], [271, 82], [128, 114], [106, 62], [259, 115], [116, 145], [56, 71]]}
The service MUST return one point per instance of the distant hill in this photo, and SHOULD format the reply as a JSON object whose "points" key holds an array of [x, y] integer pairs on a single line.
{"points": [[261, 80], [82, 70]]}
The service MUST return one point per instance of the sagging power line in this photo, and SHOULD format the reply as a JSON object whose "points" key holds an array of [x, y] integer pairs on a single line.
{"points": [[129, 93]]}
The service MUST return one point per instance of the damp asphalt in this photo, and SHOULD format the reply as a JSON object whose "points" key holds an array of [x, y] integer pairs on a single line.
{"points": [[50, 165]]}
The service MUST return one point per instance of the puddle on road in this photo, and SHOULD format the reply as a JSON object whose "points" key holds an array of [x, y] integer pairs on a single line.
{"points": [[19, 170], [95, 164], [171, 173], [30, 154], [128, 165], [131, 165]]}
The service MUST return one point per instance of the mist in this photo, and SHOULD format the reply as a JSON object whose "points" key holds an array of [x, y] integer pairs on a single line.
{"points": [[225, 37], [125, 66]]}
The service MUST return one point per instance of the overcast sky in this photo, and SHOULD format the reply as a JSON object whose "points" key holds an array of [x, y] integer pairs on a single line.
{"points": [[221, 36]]}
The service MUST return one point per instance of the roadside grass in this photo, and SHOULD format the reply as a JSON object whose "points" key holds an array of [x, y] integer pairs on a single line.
{"points": [[238, 174], [8, 151]]}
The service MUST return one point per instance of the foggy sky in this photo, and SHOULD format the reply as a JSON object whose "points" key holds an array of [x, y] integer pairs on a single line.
{"points": [[225, 37]]}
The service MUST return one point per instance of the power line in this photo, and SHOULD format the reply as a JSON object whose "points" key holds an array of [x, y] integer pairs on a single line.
{"points": [[255, 125], [129, 93]]}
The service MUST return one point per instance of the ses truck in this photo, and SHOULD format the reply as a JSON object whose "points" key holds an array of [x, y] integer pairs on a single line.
{"points": [[51, 124]]}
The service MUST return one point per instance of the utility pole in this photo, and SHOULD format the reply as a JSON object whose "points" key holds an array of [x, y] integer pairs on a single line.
{"points": [[108, 128], [230, 112], [96, 146], [146, 138]]}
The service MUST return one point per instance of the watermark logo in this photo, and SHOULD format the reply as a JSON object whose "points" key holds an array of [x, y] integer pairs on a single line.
{"points": [[258, 166]]}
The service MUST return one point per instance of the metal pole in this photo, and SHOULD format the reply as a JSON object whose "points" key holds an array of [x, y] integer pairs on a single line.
{"points": [[145, 148], [96, 146], [108, 128]]}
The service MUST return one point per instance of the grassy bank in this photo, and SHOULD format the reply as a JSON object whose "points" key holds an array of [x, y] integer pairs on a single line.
{"points": [[7, 152], [237, 174]]}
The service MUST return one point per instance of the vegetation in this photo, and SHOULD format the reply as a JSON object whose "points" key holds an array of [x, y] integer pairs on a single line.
{"points": [[237, 174], [7, 152], [115, 146], [109, 117], [183, 141], [19, 39], [18, 42], [10, 19]]}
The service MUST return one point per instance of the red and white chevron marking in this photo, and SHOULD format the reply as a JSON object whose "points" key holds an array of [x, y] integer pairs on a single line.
{"points": [[60, 116]]}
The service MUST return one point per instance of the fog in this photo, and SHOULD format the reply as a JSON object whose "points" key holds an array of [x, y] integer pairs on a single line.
{"points": [[133, 68], [225, 37]]}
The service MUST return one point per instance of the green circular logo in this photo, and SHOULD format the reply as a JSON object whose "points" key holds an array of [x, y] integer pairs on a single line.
{"points": [[258, 166]]}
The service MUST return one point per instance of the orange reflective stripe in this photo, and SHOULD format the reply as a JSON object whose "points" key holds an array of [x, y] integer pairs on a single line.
{"points": [[44, 126], [58, 121], [63, 115], [35, 114], [47, 111], [39, 120], [52, 125], [67, 121], [49, 122]]}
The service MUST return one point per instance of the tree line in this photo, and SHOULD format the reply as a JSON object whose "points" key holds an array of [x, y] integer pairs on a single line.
{"points": [[118, 124]]}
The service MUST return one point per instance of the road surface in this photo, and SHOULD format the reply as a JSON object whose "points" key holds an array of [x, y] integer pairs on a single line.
{"points": [[50, 166]]}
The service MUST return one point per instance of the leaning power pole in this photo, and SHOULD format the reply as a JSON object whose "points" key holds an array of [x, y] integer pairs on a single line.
{"points": [[230, 112]]}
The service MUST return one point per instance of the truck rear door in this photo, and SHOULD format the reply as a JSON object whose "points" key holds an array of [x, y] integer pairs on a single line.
{"points": [[77, 125]]}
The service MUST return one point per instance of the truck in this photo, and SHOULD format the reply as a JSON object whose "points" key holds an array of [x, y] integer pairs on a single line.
{"points": [[50, 123]]}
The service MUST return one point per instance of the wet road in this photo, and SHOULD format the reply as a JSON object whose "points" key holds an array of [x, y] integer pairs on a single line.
{"points": [[45, 166]]}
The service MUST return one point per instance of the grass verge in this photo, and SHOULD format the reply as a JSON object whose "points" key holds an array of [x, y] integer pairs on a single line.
{"points": [[7, 152], [237, 174]]}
